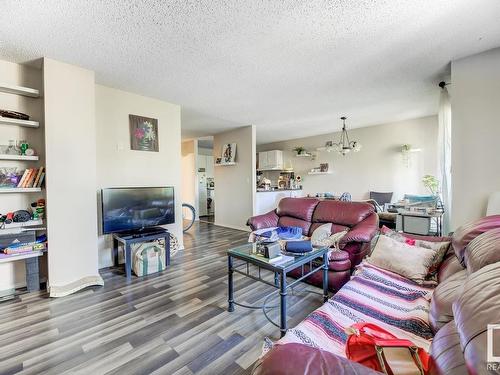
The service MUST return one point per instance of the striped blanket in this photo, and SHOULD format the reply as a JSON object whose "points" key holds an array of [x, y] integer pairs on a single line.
{"points": [[373, 295]]}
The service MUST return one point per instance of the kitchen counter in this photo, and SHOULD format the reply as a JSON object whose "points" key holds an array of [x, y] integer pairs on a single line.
{"points": [[276, 190], [269, 201]]}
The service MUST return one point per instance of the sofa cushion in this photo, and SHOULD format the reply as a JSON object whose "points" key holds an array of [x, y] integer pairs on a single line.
{"points": [[442, 300], [321, 233], [450, 266], [299, 208], [446, 353], [483, 250], [335, 228], [406, 260], [466, 233], [373, 295], [287, 221], [478, 306], [298, 359], [441, 248], [343, 213]]}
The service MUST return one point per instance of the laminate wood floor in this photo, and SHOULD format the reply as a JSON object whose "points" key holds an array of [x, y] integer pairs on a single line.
{"points": [[173, 322]]}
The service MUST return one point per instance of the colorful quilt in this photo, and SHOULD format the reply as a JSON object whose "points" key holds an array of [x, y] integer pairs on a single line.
{"points": [[373, 295]]}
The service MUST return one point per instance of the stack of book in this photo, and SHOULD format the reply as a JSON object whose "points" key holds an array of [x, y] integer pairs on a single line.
{"points": [[32, 178], [22, 248]]}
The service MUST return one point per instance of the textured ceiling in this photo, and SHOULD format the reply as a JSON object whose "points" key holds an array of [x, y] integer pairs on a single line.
{"points": [[289, 67]]}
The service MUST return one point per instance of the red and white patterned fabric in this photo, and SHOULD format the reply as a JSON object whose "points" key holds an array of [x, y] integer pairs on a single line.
{"points": [[376, 296]]}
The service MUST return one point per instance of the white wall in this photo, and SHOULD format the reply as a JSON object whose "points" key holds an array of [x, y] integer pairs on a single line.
{"points": [[235, 185], [70, 139], [118, 165], [189, 193], [475, 100], [12, 274], [377, 167]]}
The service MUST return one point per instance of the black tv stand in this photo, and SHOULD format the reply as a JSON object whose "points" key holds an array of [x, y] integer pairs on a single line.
{"points": [[139, 233], [129, 238]]}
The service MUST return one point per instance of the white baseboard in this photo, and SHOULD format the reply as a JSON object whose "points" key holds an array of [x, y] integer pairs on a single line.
{"points": [[245, 229], [64, 290]]}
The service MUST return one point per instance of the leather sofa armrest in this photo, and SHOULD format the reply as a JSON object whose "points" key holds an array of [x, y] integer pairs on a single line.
{"points": [[299, 359], [263, 221], [364, 231], [339, 261]]}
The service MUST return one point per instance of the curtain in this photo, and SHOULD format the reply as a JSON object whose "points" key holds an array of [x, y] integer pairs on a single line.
{"points": [[444, 155]]}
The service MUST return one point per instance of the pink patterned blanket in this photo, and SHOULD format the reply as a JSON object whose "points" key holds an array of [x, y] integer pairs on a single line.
{"points": [[373, 295]]}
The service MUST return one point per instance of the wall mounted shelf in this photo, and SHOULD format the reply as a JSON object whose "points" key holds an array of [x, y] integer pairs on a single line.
{"points": [[225, 164], [19, 90], [313, 173], [16, 122], [30, 223], [18, 157], [20, 190]]}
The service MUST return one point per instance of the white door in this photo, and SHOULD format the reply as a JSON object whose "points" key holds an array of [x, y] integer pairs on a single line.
{"points": [[201, 163], [210, 166]]}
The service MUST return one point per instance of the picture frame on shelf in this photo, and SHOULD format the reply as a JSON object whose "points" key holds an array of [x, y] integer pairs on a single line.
{"points": [[228, 153]]}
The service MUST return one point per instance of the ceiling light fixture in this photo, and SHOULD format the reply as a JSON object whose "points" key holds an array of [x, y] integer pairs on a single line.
{"points": [[344, 146]]}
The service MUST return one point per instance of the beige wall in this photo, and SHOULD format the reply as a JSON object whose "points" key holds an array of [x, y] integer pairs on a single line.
{"points": [[475, 100], [235, 185], [117, 165], [70, 138], [189, 192], [12, 274], [378, 166]]}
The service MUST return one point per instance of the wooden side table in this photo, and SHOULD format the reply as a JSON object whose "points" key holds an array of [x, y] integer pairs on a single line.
{"points": [[128, 240]]}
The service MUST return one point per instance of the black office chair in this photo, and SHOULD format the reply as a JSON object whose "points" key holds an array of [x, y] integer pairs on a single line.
{"points": [[381, 198], [385, 218]]}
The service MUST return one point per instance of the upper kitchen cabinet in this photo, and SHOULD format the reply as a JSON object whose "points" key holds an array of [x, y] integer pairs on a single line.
{"points": [[271, 160]]}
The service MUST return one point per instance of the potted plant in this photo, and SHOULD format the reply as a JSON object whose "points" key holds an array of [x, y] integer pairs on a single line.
{"points": [[431, 183], [299, 150]]}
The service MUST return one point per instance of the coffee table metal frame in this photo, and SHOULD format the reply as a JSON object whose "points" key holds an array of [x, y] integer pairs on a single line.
{"points": [[280, 281]]}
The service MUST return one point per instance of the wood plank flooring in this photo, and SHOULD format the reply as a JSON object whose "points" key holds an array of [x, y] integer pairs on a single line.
{"points": [[174, 322]]}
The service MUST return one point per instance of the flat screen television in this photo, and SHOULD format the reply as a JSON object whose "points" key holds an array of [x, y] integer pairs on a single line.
{"points": [[136, 208]]}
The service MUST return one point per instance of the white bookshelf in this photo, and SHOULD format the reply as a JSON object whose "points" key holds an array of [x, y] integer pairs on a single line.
{"points": [[20, 190], [19, 90], [16, 122], [18, 157]]}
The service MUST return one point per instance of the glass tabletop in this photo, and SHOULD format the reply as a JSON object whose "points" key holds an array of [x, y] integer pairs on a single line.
{"points": [[249, 252]]}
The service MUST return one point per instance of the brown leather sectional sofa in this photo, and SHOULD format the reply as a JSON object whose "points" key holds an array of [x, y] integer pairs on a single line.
{"points": [[310, 213], [465, 302]]}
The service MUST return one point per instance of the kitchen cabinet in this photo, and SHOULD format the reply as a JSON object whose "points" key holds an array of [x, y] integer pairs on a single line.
{"points": [[271, 160]]}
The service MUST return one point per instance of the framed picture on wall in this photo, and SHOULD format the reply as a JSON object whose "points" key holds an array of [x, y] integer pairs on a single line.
{"points": [[143, 133], [228, 152]]}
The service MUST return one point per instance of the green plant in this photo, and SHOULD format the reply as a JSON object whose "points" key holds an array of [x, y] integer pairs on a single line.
{"points": [[299, 150], [431, 183]]}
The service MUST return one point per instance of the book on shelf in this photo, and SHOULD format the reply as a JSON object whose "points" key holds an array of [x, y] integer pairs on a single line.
{"points": [[32, 178], [29, 179], [37, 178]]}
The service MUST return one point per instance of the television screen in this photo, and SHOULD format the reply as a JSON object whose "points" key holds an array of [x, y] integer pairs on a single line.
{"points": [[129, 209]]}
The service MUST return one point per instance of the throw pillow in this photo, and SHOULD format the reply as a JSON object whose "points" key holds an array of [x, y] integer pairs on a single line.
{"points": [[321, 233], [440, 248], [412, 262]]}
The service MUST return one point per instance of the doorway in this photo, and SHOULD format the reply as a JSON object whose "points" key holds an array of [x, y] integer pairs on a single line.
{"points": [[206, 179]]}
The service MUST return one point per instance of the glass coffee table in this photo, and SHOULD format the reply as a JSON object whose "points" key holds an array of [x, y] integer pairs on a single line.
{"points": [[247, 255]]}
